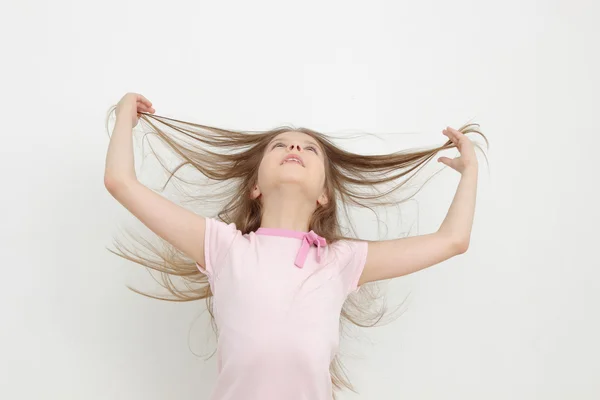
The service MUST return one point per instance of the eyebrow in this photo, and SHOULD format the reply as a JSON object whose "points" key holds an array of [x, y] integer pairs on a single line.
{"points": [[305, 142]]}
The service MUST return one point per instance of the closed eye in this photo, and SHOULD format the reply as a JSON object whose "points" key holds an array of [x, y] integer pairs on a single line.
{"points": [[308, 147]]}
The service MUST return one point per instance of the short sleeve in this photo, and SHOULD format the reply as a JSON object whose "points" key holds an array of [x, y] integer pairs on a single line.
{"points": [[218, 239], [356, 256]]}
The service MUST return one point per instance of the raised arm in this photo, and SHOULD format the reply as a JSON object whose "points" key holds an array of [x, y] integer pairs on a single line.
{"points": [[393, 258], [180, 227]]}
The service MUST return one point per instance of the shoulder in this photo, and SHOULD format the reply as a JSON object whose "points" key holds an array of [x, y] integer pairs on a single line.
{"points": [[350, 255], [221, 237], [219, 224], [225, 230], [349, 251], [349, 246]]}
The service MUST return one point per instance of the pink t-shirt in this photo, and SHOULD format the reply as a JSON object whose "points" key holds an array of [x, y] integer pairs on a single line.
{"points": [[277, 300]]}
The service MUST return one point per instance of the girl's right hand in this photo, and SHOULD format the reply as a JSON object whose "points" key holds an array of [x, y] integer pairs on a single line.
{"points": [[131, 105]]}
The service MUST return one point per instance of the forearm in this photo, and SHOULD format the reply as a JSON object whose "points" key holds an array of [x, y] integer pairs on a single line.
{"points": [[119, 158], [459, 220]]}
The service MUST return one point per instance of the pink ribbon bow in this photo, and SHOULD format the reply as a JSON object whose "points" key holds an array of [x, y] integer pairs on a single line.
{"points": [[307, 240]]}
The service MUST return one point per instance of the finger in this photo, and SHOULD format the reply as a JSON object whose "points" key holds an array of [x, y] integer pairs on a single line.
{"points": [[144, 100], [457, 134], [450, 136], [453, 133], [445, 160], [459, 137], [456, 131], [145, 108]]}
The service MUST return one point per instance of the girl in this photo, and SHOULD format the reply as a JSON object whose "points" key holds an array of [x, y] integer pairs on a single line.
{"points": [[273, 264]]}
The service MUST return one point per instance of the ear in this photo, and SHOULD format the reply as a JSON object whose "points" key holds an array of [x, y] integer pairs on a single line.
{"points": [[322, 200], [255, 193]]}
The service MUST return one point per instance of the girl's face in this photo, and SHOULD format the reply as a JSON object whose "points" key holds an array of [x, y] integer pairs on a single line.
{"points": [[308, 175]]}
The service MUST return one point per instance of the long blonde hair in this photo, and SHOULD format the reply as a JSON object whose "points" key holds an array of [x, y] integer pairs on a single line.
{"points": [[234, 156]]}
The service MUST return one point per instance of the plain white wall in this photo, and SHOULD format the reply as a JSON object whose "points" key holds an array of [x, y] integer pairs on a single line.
{"points": [[516, 317]]}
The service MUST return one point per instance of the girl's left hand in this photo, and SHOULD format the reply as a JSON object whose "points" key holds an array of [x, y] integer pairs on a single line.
{"points": [[467, 159]]}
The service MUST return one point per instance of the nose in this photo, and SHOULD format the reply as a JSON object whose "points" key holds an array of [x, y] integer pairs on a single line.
{"points": [[292, 147]]}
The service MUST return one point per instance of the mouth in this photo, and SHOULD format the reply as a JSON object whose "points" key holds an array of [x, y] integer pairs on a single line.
{"points": [[293, 159]]}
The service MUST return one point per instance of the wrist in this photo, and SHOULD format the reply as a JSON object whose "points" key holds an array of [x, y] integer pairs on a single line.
{"points": [[470, 170], [124, 119]]}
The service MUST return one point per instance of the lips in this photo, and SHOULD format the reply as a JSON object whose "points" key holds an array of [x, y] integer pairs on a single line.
{"points": [[295, 156]]}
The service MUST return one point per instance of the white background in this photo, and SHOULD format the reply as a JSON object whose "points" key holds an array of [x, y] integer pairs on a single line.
{"points": [[516, 317]]}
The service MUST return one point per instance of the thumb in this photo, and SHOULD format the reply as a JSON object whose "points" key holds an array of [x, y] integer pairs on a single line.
{"points": [[445, 160]]}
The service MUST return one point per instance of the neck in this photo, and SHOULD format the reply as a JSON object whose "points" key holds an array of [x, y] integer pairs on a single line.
{"points": [[290, 212]]}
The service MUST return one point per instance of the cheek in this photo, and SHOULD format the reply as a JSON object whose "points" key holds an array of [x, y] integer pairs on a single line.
{"points": [[265, 169], [317, 169], [261, 171]]}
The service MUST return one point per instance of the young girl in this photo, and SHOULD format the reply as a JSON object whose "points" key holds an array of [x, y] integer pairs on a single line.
{"points": [[273, 265]]}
